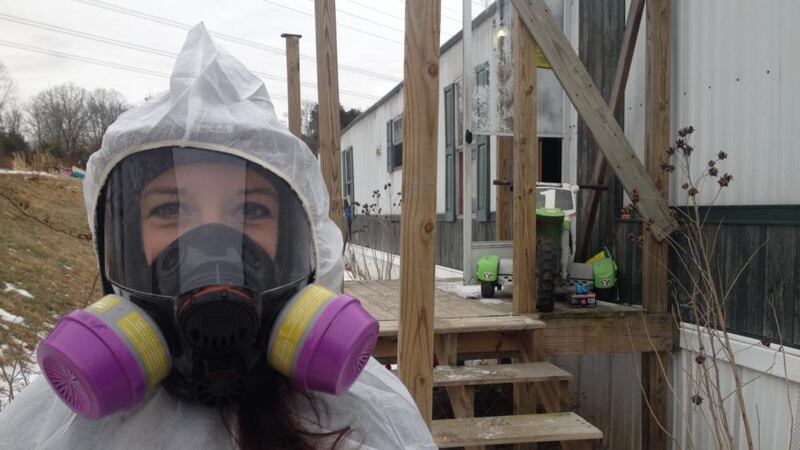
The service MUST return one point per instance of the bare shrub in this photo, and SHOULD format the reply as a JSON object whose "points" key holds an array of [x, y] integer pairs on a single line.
{"points": [[370, 263], [699, 298], [19, 162], [15, 365]]}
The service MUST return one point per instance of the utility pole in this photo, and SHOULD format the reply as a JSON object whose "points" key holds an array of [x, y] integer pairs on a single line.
{"points": [[293, 77]]}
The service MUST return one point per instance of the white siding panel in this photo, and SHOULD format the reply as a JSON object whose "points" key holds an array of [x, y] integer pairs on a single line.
{"points": [[736, 79], [634, 95], [771, 395], [606, 391], [368, 139]]}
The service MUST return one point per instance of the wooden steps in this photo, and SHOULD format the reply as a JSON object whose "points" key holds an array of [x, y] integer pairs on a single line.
{"points": [[551, 427], [457, 325], [535, 372]]}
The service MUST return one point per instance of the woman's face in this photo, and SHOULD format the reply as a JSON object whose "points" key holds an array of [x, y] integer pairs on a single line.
{"points": [[188, 196]]}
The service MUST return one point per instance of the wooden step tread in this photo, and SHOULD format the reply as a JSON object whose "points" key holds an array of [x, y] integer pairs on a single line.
{"points": [[550, 427], [498, 373], [470, 324]]}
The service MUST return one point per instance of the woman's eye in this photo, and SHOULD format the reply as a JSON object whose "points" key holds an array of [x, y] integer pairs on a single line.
{"points": [[167, 211], [251, 210]]}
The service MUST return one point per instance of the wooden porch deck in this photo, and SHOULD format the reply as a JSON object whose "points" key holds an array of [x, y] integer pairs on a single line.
{"points": [[489, 326]]}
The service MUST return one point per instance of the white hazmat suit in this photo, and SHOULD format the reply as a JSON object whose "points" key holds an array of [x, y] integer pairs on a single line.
{"points": [[214, 103]]}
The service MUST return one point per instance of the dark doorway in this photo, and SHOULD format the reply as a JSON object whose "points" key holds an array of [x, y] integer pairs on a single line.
{"points": [[550, 160]]}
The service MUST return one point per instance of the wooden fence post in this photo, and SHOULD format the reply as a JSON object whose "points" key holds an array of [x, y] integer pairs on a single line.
{"points": [[526, 162], [655, 254], [328, 85], [418, 221]]}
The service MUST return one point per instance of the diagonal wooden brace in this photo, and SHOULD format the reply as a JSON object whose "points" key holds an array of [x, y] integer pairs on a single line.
{"points": [[596, 114]]}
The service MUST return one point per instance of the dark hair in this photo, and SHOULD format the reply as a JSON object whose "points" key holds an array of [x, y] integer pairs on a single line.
{"points": [[265, 419]]}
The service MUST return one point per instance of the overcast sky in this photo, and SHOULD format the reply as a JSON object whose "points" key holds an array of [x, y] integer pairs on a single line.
{"points": [[129, 46]]}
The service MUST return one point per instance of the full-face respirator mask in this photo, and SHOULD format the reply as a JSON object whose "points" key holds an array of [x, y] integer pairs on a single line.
{"points": [[211, 262]]}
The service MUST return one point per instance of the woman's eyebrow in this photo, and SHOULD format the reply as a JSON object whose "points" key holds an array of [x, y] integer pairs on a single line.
{"points": [[266, 190], [164, 190]]}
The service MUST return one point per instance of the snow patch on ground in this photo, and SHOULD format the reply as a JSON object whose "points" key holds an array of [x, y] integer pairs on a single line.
{"points": [[382, 265], [26, 172], [460, 289], [11, 288], [364, 260], [8, 317]]}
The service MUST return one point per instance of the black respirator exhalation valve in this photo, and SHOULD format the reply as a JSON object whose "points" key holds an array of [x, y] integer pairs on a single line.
{"points": [[219, 319], [219, 381]]}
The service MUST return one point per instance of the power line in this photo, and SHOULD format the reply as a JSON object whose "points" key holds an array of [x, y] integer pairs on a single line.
{"points": [[81, 34], [458, 12], [393, 15], [155, 51], [102, 62], [307, 14], [226, 37], [85, 59], [313, 85]]}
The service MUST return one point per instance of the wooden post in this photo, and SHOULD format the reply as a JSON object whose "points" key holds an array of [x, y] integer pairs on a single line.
{"points": [[526, 162], [505, 172], [328, 85], [617, 102], [293, 77], [418, 221], [655, 253]]}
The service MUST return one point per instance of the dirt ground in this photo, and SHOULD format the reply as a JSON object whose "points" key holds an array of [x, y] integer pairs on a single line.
{"points": [[47, 264]]}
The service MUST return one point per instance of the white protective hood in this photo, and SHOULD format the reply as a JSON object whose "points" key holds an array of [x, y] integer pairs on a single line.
{"points": [[215, 103]]}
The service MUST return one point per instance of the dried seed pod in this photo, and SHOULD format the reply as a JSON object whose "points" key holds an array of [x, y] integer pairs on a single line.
{"points": [[725, 180]]}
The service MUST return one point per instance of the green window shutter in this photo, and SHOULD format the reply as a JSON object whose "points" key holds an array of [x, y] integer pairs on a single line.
{"points": [[351, 191], [389, 143], [483, 178], [343, 165], [347, 173], [450, 153], [397, 142]]}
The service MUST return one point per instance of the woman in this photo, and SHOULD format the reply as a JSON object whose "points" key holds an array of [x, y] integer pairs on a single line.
{"points": [[209, 215]]}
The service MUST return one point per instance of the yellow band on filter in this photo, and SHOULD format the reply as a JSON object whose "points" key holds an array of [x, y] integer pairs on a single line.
{"points": [[104, 305], [147, 345], [287, 337]]}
